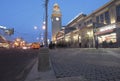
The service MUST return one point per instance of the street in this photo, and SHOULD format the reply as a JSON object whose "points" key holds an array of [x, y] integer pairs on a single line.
{"points": [[88, 64], [16, 63], [68, 64]]}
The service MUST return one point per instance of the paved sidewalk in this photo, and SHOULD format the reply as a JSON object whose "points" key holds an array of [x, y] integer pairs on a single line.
{"points": [[67, 79], [76, 64], [35, 75], [93, 65]]}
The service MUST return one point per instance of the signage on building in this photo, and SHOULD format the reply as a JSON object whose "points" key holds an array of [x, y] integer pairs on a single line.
{"points": [[106, 29], [109, 27]]}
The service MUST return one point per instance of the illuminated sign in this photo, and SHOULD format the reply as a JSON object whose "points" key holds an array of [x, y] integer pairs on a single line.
{"points": [[106, 29], [109, 27]]}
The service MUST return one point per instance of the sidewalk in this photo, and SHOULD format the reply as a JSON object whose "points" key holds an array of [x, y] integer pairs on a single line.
{"points": [[80, 68], [35, 75]]}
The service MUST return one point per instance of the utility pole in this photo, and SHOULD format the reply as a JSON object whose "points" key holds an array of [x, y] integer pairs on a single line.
{"points": [[46, 23]]}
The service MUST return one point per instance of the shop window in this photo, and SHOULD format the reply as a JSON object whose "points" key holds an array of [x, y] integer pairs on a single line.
{"points": [[108, 38], [118, 13]]}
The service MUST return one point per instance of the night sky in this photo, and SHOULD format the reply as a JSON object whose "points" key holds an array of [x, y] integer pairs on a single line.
{"points": [[23, 15]]}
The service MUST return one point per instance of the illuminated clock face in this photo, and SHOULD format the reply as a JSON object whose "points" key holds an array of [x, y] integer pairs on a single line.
{"points": [[57, 19]]}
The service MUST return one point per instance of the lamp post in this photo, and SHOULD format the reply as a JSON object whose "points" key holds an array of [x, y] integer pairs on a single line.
{"points": [[46, 23]]}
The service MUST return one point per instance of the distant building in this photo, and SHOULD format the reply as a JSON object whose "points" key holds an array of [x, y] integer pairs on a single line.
{"points": [[5, 34], [56, 21]]}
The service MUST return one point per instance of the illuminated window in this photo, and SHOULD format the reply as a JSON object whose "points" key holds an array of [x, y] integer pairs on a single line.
{"points": [[110, 37]]}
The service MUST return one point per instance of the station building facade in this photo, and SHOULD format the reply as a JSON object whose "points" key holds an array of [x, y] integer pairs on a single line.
{"points": [[102, 25]]}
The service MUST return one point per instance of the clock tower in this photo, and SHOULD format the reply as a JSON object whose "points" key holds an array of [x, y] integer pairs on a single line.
{"points": [[56, 21]]}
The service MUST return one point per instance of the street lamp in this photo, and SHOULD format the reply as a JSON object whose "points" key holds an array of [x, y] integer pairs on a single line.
{"points": [[43, 27], [35, 27]]}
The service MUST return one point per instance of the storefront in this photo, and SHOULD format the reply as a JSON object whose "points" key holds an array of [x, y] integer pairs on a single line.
{"points": [[60, 38], [107, 36], [68, 39]]}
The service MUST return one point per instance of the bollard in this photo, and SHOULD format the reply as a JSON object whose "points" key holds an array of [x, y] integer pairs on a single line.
{"points": [[43, 60]]}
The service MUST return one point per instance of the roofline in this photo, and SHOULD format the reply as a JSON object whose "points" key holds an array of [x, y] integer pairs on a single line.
{"points": [[105, 5], [87, 16], [100, 8], [76, 17]]}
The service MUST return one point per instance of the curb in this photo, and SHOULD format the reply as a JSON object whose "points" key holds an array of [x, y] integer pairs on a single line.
{"points": [[23, 74]]}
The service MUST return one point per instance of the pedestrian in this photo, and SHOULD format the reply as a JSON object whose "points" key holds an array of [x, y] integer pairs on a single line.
{"points": [[51, 45], [80, 44]]}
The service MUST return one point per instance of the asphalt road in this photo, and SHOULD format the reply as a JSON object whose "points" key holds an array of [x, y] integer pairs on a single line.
{"points": [[16, 63]]}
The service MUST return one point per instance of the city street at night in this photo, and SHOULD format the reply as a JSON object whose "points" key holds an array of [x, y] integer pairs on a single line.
{"points": [[16, 63], [60, 40]]}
